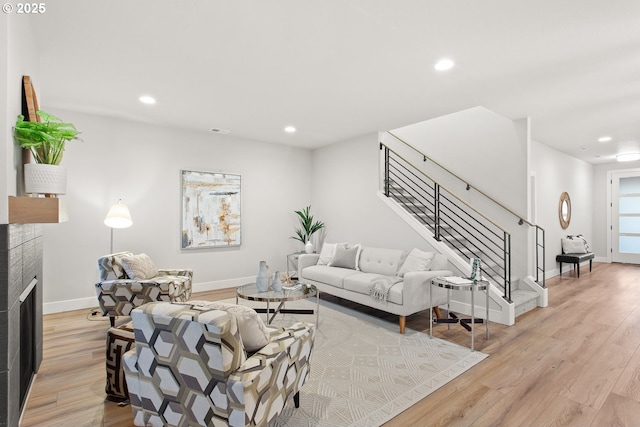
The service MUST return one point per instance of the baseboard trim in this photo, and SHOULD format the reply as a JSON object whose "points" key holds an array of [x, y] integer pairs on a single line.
{"points": [[92, 302]]}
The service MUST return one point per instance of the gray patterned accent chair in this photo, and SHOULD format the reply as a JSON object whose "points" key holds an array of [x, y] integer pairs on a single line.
{"points": [[189, 367], [121, 289]]}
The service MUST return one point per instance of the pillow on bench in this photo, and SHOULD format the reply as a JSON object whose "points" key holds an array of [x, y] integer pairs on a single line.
{"points": [[574, 245]]}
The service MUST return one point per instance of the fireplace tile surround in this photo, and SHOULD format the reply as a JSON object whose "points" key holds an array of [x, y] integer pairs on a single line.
{"points": [[21, 247]]}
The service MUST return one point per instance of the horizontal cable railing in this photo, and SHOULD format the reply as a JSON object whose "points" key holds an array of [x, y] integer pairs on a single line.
{"points": [[539, 249], [452, 220]]}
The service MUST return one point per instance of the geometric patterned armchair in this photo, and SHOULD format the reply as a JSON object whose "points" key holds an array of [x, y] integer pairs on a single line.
{"points": [[189, 368], [128, 281]]}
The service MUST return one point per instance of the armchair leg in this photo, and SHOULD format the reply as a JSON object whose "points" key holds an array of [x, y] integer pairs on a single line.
{"points": [[403, 323], [112, 320], [296, 399], [437, 312]]}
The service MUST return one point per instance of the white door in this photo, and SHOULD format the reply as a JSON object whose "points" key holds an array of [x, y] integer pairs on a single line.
{"points": [[625, 217]]}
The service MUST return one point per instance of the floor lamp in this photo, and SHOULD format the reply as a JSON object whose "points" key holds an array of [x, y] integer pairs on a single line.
{"points": [[117, 217]]}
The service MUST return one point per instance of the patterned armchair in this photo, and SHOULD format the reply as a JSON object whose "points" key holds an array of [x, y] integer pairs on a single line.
{"points": [[127, 281], [189, 368]]}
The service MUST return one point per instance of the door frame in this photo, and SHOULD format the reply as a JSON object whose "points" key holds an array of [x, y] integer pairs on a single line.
{"points": [[609, 186]]}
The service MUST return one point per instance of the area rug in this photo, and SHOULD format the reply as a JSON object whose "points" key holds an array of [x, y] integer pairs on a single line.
{"points": [[364, 372]]}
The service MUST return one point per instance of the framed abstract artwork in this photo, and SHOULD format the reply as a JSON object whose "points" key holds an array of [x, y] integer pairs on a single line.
{"points": [[211, 214]]}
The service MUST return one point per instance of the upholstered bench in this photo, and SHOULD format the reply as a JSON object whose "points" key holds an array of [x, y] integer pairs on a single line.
{"points": [[575, 259], [119, 340]]}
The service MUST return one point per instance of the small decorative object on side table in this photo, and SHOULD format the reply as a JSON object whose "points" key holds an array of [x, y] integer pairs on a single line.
{"points": [[461, 284]]}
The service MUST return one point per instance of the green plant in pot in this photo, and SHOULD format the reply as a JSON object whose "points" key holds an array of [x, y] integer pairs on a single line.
{"points": [[307, 227], [46, 140]]}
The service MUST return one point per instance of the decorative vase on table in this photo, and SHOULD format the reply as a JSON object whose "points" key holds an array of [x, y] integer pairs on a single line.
{"points": [[308, 247], [263, 277], [277, 283]]}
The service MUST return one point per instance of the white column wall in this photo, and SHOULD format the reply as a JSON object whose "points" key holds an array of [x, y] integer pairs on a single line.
{"points": [[556, 172]]}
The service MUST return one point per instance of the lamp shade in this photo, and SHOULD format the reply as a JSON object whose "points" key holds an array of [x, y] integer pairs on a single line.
{"points": [[118, 216]]}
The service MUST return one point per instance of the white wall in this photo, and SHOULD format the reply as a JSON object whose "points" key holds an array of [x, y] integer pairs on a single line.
{"points": [[344, 187], [486, 150], [141, 164], [18, 46], [556, 172]]}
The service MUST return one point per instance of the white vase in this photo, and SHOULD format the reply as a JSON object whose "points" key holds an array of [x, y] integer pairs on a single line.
{"points": [[308, 248], [263, 278], [277, 283], [45, 179]]}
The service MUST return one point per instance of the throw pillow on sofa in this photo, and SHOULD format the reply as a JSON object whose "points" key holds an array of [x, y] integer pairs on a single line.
{"points": [[417, 260], [139, 267], [346, 257], [326, 254]]}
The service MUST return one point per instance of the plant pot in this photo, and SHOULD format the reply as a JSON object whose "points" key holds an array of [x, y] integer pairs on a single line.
{"points": [[308, 248], [50, 180]]}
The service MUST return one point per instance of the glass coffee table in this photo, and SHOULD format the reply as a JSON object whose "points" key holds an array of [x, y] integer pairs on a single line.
{"points": [[301, 291]]}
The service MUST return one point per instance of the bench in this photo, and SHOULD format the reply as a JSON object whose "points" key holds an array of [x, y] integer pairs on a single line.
{"points": [[575, 259]]}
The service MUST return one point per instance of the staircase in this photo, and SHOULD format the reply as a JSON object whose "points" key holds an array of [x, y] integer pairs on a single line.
{"points": [[461, 231]]}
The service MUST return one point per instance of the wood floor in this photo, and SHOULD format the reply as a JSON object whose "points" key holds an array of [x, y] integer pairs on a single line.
{"points": [[575, 363]]}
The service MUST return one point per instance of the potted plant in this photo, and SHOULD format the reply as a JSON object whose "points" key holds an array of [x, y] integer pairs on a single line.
{"points": [[307, 228], [46, 140]]}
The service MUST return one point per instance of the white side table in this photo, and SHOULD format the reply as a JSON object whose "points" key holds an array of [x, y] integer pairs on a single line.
{"points": [[461, 284]]}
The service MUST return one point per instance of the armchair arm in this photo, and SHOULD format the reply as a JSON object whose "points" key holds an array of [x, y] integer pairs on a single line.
{"points": [[176, 272], [416, 288], [267, 378], [306, 260], [119, 296]]}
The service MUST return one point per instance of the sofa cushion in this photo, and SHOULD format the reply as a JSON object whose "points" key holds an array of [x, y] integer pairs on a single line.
{"points": [[333, 276], [345, 257], [417, 260], [379, 260], [361, 284]]}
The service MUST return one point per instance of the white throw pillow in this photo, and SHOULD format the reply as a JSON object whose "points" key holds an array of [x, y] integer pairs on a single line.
{"points": [[417, 260], [139, 267], [326, 254], [345, 257], [574, 245], [252, 329]]}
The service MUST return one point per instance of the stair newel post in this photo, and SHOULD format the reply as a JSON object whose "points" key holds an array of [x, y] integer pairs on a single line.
{"points": [[507, 266], [436, 206]]}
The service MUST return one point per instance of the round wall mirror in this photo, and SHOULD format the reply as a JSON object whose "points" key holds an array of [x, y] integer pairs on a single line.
{"points": [[564, 210]]}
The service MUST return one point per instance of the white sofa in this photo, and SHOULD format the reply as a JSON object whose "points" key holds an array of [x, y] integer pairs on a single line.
{"points": [[353, 282]]}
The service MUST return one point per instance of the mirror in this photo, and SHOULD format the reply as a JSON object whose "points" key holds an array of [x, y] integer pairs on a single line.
{"points": [[564, 210]]}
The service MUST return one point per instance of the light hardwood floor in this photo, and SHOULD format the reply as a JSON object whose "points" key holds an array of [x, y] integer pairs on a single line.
{"points": [[574, 363]]}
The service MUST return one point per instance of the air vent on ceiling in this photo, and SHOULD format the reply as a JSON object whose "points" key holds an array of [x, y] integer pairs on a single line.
{"points": [[221, 131]]}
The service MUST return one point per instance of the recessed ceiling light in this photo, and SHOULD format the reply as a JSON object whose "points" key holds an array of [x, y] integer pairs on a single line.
{"points": [[444, 64], [290, 129], [604, 139], [146, 99], [628, 157]]}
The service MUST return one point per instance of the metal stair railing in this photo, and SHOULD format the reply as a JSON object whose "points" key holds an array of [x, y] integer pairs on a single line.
{"points": [[461, 226]]}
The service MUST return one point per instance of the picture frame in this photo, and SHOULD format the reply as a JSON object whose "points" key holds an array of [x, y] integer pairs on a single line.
{"points": [[211, 210]]}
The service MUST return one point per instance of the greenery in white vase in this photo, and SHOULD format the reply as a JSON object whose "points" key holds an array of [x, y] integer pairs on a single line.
{"points": [[307, 225]]}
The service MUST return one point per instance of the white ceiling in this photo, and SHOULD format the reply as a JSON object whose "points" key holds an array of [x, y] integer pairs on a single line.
{"points": [[336, 69]]}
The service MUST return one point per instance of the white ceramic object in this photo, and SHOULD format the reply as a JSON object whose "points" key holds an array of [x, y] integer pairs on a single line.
{"points": [[308, 248], [45, 179]]}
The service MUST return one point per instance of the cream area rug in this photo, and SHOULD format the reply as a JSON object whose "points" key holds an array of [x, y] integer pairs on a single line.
{"points": [[363, 371]]}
